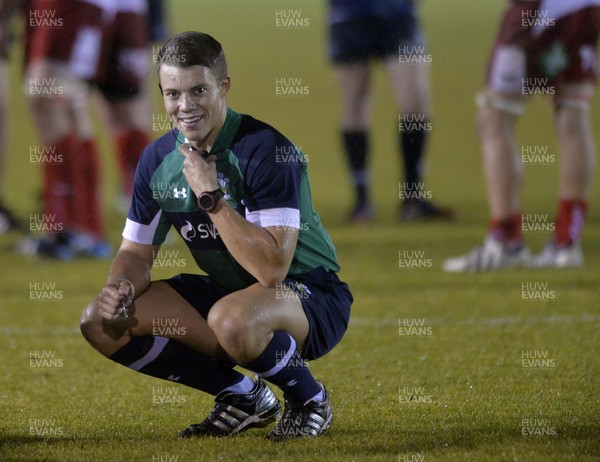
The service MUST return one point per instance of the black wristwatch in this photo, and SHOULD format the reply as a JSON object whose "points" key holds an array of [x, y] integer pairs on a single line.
{"points": [[208, 200]]}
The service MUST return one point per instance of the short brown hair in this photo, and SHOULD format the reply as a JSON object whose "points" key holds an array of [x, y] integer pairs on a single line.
{"points": [[193, 49]]}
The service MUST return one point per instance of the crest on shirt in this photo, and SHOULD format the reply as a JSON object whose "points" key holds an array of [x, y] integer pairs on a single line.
{"points": [[301, 289], [224, 185]]}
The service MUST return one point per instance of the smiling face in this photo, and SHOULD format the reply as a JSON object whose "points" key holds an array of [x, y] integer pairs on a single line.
{"points": [[195, 101]]}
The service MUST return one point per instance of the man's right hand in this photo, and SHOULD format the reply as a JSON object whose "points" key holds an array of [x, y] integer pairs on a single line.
{"points": [[110, 300]]}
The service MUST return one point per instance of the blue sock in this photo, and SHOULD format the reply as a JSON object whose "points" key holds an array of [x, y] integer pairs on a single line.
{"points": [[280, 363], [172, 360], [356, 146]]}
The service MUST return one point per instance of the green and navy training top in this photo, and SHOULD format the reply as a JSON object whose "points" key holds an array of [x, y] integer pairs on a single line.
{"points": [[264, 178]]}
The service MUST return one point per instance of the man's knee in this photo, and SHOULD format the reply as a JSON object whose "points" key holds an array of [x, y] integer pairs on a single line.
{"points": [[571, 116], [236, 328], [102, 336], [493, 105], [227, 320], [88, 323], [575, 96]]}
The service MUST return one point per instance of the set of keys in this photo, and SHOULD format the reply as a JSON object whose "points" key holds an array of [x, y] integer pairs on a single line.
{"points": [[126, 301]]}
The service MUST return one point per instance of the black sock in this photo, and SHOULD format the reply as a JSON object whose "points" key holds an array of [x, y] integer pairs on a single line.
{"points": [[172, 360], [282, 365], [356, 147], [412, 146]]}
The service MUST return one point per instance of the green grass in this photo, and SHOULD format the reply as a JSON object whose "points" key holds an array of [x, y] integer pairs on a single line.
{"points": [[470, 391]]}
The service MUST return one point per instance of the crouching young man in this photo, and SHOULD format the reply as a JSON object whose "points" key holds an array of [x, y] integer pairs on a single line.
{"points": [[271, 299]]}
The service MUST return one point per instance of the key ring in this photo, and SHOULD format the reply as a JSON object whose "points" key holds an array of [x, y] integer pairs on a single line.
{"points": [[126, 300]]}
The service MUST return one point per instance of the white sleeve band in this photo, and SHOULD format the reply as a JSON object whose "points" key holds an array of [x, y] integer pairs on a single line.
{"points": [[281, 217], [141, 234]]}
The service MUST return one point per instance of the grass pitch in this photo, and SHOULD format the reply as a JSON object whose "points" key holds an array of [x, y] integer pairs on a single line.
{"points": [[434, 366]]}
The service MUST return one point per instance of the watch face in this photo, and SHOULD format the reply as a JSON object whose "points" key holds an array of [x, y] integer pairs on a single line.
{"points": [[206, 201]]}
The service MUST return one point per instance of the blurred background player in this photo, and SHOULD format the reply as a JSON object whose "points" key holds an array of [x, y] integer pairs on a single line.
{"points": [[550, 45], [157, 21], [8, 221], [129, 131], [126, 114], [382, 29], [71, 44]]}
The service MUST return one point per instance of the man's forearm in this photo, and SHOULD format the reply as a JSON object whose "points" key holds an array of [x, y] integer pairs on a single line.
{"points": [[253, 247], [130, 267], [265, 255]]}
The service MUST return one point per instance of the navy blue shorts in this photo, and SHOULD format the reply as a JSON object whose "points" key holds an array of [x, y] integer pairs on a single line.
{"points": [[326, 301], [360, 40]]}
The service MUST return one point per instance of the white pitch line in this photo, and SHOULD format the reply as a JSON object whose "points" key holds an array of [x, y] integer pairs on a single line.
{"points": [[370, 322], [39, 331], [359, 321]]}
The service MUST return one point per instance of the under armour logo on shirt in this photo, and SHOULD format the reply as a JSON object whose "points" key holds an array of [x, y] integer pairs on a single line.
{"points": [[179, 194]]}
